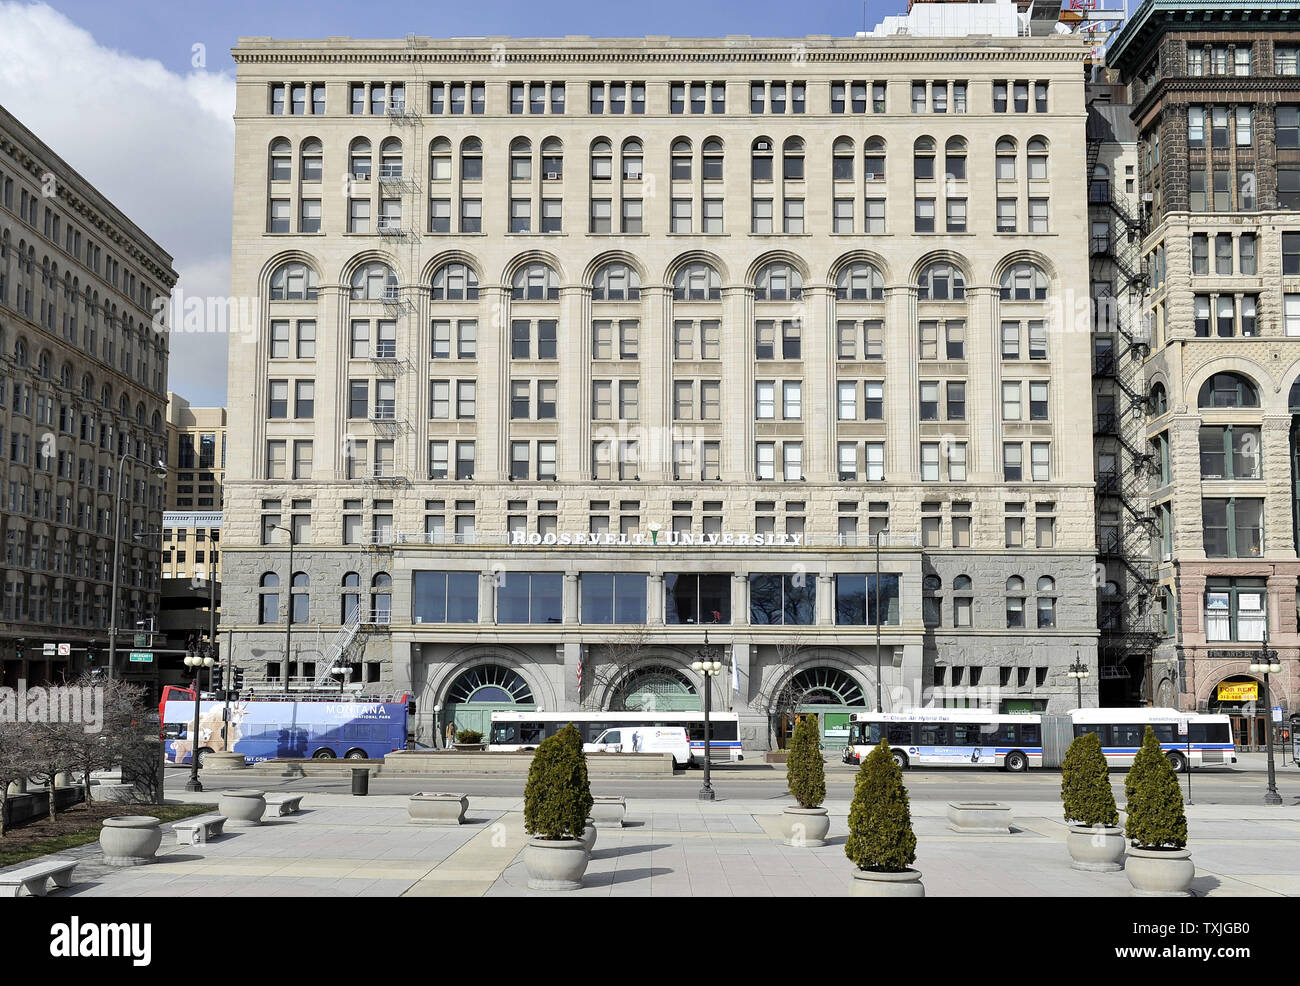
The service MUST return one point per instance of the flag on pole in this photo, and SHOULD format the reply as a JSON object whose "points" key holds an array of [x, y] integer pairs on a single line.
{"points": [[579, 671], [735, 675]]}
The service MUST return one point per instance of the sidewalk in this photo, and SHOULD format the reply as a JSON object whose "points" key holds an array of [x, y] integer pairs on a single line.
{"points": [[352, 847]]}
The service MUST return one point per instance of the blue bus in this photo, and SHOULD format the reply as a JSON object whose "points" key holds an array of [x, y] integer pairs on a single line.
{"points": [[321, 730]]}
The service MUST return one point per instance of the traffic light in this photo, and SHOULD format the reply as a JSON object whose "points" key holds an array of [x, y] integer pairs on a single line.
{"points": [[18, 649], [217, 673], [237, 678]]}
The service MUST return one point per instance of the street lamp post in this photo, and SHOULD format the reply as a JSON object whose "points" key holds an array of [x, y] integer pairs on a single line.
{"points": [[1078, 671], [1266, 665], [288, 621], [708, 669], [879, 707], [159, 470], [196, 662]]}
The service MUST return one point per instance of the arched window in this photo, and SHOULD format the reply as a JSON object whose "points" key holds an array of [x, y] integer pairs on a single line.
{"points": [[1159, 399], [535, 282], [1023, 281], [941, 282], [961, 583], [760, 160], [778, 282], [697, 282], [1015, 602], [859, 281], [842, 160], [552, 159], [1036, 159], [792, 159], [873, 159], [521, 159], [954, 159], [1099, 185], [374, 281], [681, 160], [616, 281], [602, 160], [359, 162], [932, 583], [632, 160], [294, 281], [381, 598], [269, 599], [471, 159], [1228, 390], [1047, 601], [65, 376], [281, 160], [351, 598], [43, 365], [1005, 160], [440, 159], [312, 158], [455, 281], [712, 159], [301, 597], [390, 159], [20, 352], [923, 158]]}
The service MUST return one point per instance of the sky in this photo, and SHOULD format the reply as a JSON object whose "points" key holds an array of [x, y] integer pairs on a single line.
{"points": [[137, 96]]}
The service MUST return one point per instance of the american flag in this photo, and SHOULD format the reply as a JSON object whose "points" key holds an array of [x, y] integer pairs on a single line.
{"points": [[580, 673]]}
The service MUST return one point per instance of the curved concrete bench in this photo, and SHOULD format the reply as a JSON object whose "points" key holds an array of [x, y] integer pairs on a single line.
{"points": [[284, 804], [197, 831], [34, 880]]}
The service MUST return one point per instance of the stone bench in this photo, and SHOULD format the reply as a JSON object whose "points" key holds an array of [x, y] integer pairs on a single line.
{"points": [[197, 831], [979, 817], [607, 811], [437, 808], [284, 804], [33, 881]]}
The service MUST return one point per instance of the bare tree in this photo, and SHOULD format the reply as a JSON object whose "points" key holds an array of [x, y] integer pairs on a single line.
{"points": [[122, 729], [788, 692], [52, 752], [610, 663], [15, 763]]}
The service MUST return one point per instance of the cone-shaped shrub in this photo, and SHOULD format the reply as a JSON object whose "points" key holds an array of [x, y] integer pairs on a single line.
{"points": [[1085, 784], [880, 821], [804, 770], [557, 797], [1155, 804]]}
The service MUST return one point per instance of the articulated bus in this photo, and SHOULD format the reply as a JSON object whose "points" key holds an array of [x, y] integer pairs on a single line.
{"points": [[980, 738], [524, 730], [948, 737]]}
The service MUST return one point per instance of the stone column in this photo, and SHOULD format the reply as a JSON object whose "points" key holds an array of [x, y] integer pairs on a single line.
{"points": [[570, 601], [655, 599]]}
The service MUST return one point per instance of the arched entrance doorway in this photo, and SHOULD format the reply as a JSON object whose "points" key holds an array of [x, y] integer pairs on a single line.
{"points": [[827, 694], [1241, 698], [471, 699], [655, 688]]}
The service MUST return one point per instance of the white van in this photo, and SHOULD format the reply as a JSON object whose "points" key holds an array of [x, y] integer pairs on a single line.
{"points": [[644, 739]]}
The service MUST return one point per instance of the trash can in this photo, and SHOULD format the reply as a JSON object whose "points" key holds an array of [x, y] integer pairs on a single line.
{"points": [[360, 781]]}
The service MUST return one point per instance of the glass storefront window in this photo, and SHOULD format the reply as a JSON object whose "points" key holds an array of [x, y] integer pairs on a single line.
{"points": [[855, 600], [697, 598], [444, 597], [612, 598]]}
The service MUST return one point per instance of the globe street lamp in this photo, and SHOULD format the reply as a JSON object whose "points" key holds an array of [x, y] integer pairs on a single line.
{"points": [[197, 663], [1078, 671], [708, 669], [1266, 665]]}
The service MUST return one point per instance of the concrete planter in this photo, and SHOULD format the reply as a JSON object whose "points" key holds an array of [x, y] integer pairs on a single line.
{"points": [[470, 747], [804, 826], [1160, 872], [435, 808], [608, 812], [555, 864], [979, 817], [242, 808], [588, 838], [868, 883], [222, 761], [1097, 849], [130, 840]]}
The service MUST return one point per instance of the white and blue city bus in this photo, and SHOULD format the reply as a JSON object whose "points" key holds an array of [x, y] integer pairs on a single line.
{"points": [[934, 737], [512, 731], [1207, 741]]}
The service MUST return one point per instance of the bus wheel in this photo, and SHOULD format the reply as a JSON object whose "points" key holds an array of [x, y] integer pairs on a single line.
{"points": [[1017, 761], [900, 758], [356, 755], [323, 755], [1177, 761]]}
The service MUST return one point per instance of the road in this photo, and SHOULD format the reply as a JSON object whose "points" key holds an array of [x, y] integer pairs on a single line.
{"points": [[760, 782]]}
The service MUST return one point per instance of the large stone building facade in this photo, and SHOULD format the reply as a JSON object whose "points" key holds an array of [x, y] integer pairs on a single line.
{"points": [[574, 350], [1216, 106], [82, 403]]}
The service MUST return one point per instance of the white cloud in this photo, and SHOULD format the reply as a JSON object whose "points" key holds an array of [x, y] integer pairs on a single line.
{"points": [[159, 145]]}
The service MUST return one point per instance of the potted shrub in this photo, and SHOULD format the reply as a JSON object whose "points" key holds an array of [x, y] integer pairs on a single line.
{"points": [[557, 802], [881, 841], [806, 823], [1159, 863], [573, 737], [1096, 841], [469, 739]]}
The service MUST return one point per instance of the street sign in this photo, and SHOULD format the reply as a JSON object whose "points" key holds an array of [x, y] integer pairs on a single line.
{"points": [[1277, 713], [47, 650], [142, 640], [1182, 727], [141, 657], [65, 650]]}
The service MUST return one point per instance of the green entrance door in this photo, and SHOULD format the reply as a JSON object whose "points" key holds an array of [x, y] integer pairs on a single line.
{"points": [[480, 691]]}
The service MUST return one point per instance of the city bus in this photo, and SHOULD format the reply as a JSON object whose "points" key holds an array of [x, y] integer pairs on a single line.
{"points": [[1208, 741], [935, 737], [267, 730], [512, 731]]}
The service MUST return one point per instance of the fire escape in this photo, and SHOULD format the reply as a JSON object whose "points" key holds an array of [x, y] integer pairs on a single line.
{"points": [[1126, 610]]}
